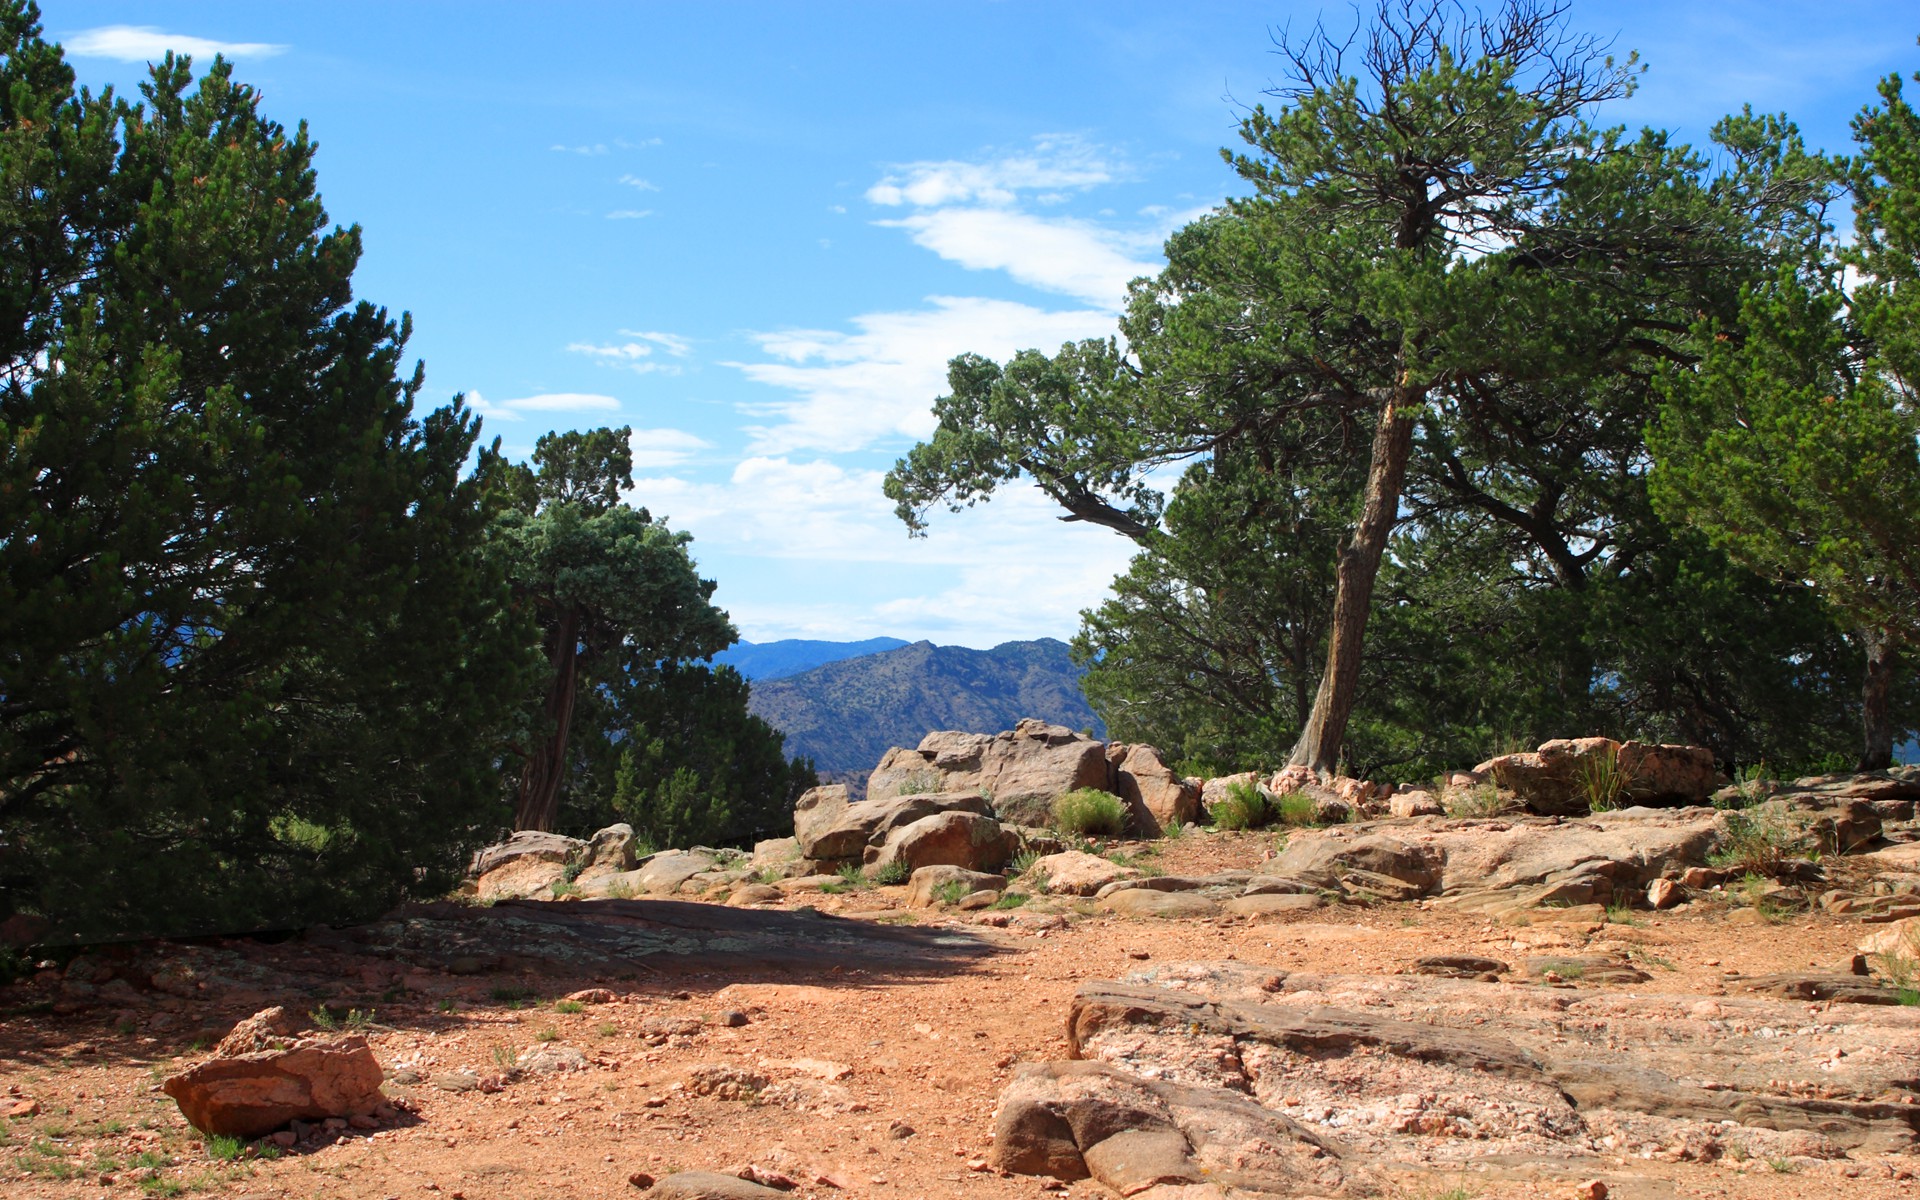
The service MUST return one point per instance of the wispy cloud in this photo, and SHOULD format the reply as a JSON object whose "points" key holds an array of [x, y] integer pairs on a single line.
{"points": [[634, 181], [1056, 162], [879, 382], [629, 214], [149, 43], [656, 449], [546, 402], [637, 354], [597, 148]]}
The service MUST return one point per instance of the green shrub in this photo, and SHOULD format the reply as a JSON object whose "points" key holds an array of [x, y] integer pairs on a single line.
{"points": [[1757, 845], [568, 1006], [1090, 812], [895, 872], [951, 892], [1245, 807], [1293, 809], [1010, 900], [224, 1148]]}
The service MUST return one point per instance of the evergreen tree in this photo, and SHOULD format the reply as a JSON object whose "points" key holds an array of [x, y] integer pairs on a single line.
{"points": [[252, 665]]}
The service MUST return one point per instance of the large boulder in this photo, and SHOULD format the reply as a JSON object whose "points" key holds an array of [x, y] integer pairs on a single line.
{"points": [[665, 872], [610, 851], [924, 887], [1077, 873], [946, 839], [830, 829], [1159, 799], [261, 1077], [1327, 858], [1023, 769], [526, 865], [1562, 777]]}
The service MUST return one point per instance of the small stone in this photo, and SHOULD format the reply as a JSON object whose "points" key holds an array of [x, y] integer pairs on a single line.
{"points": [[640, 1179], [1592, 1189], [283, 1139], [732, 1018], [1663, 894], [1139, 954], [592, 996], [23, 1108], [900, 1131]]}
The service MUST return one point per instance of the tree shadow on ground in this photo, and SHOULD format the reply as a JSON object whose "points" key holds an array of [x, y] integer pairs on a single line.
{"points": [[434, 968]]}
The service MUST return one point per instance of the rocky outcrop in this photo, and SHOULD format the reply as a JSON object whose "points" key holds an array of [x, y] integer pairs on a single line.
{"points": [[1566, 776], [261, 1077], [1023, 769], [1074, 1120], [527, 864], [1158, 799], [945, 839], [930, 886], [831, 830]]}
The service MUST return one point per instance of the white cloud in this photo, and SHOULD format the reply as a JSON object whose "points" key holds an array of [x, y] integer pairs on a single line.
{"points": [[655, 449], [1073, 257], [636, 355], [642, 144], [821, 512], [149, 43], [629, 214], [854, 389], [639, 184], [1057, 162], [596, 148], [546, 402], [672, 343]]}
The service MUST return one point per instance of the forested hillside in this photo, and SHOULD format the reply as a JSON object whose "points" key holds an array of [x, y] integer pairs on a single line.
{"points": [[845, 714]]}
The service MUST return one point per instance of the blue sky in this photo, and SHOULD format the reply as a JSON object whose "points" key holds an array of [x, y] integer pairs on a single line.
{"points": [[756, 232]]}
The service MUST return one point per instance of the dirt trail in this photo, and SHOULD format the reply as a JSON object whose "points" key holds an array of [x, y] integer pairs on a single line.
{"points": [[874, 1046]]}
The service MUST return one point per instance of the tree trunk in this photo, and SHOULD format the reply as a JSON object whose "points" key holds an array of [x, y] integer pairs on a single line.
{"points": [[1877, 701], [1326, 728], [538, 804]]}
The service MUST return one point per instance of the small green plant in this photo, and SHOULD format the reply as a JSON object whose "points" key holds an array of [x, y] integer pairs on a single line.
{"points": [[951, 892], [619, 889], [446, 1005], [1245, 807], [1757, 845], [323, 1018], [1294, 809], [1622, 914], [1748, 787], [608, 1029], [1482, 800], [1090, 812], [768, 876], [549, 1034], [852, 876], [1566, 970], [1642, 955], [905, 918], [569, 1007], [223, 1148], [571, 871], [505, 1057], [511, 995], [1601, 780], [163, 1185], [919, 783], [834, 887], [1782, 1166], [891, 874], [1010, 900], [563, 887], [1175, 832], [1023, 861]]}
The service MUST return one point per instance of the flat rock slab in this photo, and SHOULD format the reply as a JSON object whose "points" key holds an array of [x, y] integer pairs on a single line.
{"points": [[1145, 902], [1460, 966], [1270, 907], [708, 1185]]}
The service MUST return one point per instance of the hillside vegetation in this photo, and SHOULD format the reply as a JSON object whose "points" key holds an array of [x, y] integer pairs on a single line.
{"points": [[844, 715]]}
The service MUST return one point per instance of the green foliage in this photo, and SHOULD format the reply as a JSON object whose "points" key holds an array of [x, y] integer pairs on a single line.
{"points": [[250, 644], [1601, 780], [891, 874], [1007, 900], [951, 892], [222, 1148], [569, 1007], [1758, 845], [1090, 812], [1243, 807], [1793, 443], [1482, 800]]}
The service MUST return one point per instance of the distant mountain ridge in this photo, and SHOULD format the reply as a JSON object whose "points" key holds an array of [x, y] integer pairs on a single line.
{"points": [[790, 656], [845, 714]]}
